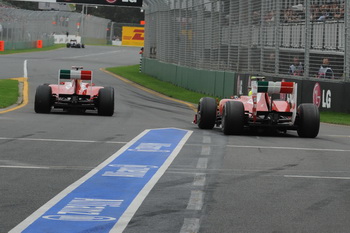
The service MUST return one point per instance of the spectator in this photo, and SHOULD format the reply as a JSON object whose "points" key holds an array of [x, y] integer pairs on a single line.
{"points": [[325, 70], [296, 68]]}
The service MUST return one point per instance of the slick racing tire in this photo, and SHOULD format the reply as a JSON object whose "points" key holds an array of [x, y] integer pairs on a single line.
{"points": [[206, 114], [233, 118], [308, 121], [106, 101], [83, 46], [68, 45], [42, 102]]}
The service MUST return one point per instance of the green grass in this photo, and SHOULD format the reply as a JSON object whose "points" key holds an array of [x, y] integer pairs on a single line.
{"points": [[132, 73], [335, 118], [8, 92], [56, 46]]}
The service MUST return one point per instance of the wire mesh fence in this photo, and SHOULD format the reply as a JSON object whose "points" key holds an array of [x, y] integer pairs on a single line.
{"points": [[18, 26], [299, 38]]}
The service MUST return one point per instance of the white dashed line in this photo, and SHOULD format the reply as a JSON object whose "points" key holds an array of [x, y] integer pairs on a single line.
{"points": [[206, 150], [199, 179], [202, 163], [191, 225], [206, 139], [196, 200]]}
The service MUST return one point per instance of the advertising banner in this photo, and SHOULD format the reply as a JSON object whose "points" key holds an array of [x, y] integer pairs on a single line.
{"points": [[133, 36]]}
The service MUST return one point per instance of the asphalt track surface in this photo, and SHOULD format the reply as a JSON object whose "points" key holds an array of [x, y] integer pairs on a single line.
{"points": [[249, 183]]}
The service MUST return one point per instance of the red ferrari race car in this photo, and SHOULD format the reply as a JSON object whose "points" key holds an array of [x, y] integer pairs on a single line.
{"points": [[74, 91], [260, 111]]}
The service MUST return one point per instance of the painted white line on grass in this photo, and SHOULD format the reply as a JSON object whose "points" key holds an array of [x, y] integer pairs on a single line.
{"points": [[318, 177], [191, 225], [196, 200], [202, 163]]}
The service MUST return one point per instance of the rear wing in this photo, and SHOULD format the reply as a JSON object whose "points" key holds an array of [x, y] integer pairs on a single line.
{"points": [[275, 88], [76, 73]]}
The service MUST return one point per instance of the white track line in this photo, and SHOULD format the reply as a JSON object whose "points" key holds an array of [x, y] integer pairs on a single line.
{"points": [[191, 225], [287, 148], [318, 177], [196, 200], [202, 163], [61, 140], [25, 69], [199, 179]]}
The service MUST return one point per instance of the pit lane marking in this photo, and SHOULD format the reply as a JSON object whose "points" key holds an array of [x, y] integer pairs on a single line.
{"points": [[115, 202]]}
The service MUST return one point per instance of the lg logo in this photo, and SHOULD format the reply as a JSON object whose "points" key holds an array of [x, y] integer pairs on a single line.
{"points": [[325, 99]]}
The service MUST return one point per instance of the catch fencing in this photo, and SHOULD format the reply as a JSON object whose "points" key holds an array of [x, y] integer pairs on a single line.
{"points": [[20, 28], [298, 39]]}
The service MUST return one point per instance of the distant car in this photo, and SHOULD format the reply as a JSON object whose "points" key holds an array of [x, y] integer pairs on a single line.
{"points": [[74, 91], [260, 111], [74, 44]]}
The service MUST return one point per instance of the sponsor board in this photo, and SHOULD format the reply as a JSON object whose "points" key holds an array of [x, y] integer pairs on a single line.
{"points": [[133, 36]]}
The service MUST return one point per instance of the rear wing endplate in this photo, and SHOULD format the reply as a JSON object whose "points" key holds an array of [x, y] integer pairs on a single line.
{"points": [[275, 88]]}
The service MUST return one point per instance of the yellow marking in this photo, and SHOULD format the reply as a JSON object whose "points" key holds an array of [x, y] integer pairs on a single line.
{"points": [[191, 106], [24, 95]]}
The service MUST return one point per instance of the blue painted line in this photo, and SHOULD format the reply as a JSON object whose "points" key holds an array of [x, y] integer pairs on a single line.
{"points": [[107, 197]]}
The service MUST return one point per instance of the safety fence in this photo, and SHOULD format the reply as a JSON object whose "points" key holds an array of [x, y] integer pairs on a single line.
{"points": [[22, 28], [301, 38]]}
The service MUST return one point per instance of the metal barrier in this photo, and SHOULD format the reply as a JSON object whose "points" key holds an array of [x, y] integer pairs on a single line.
{"points": [[18, 27], [266, 37]]}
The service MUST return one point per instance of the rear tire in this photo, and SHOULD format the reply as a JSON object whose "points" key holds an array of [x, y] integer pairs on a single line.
{"points": [[106, 101], [233, 118], [206, 114], [308, 121], [43, 96], [68, 45]]}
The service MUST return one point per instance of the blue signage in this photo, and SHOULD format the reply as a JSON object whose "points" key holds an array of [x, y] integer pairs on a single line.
{"points": [[106, 198]]}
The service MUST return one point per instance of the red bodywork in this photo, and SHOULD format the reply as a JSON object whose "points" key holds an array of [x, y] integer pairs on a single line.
{"points": [[75, 94], [76, 87], [263, 104]]}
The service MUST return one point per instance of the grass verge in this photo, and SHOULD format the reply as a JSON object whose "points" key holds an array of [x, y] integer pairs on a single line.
{"points": [[56, 46], [8, 92], [132, 73], [335, 118]]}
